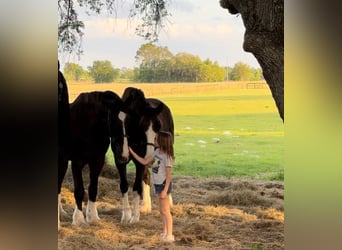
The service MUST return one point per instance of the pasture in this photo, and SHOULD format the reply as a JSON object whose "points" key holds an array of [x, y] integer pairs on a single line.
{"points": [[228, 176]]}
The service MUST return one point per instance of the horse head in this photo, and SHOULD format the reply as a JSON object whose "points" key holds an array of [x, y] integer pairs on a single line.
{"points": [[142, 123], [150, 125], [116, 122]]}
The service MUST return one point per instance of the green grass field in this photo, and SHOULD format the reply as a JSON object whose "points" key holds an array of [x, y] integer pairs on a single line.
{"points": [[226, 132]]}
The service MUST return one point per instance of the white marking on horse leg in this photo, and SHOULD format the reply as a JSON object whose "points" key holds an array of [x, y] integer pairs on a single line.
{"points": [[60, 206], [150, 135], [59, 201], [91, 212], [78, 217], [136, 208], [170, 200], [146, 206], [125, 152], [61, 211], [126, 210]]}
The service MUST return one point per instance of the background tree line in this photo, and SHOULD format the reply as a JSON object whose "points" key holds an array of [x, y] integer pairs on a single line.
{"points": [[158, 64]]}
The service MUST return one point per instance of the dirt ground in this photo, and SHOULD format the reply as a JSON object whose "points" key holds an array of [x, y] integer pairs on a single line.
{"points": [[208, 213]]}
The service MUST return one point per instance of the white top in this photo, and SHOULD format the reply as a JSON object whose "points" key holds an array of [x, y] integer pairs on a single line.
{"points": [[161, 161]]}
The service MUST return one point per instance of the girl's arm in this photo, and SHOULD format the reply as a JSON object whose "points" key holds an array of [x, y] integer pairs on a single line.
{"points": [[145, 161]]}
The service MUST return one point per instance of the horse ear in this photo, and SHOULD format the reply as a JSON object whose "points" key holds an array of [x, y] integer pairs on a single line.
{"points": [[159, 108], [128, 101], [126, 105], [153, 111]]}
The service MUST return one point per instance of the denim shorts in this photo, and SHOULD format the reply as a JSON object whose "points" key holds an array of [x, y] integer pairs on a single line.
{"points": [[160, 187]]}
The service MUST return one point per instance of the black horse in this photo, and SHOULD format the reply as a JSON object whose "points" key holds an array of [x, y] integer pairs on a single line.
{"points": [[63, 133], [144, 119], [90, 133]]}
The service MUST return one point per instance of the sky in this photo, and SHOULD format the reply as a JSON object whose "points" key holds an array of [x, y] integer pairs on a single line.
{"points": [[198, 27]]}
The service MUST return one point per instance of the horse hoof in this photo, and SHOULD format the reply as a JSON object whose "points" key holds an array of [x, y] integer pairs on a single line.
{"points": [[93, 220], [78, 218], [126, 219], [79, 223], [145, 209], [134, 219], [92, 215]]}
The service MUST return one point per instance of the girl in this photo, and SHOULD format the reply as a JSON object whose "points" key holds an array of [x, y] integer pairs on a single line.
{"points": [[161, 162]]}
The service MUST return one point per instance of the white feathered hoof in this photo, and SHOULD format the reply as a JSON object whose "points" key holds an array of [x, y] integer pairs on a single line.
{"points": [[61, 210], [58, 216], [136, 209], [78, 218], [146, 204], [145, 207], [126, 210], [126, 216], [170, 200], [91, 213], [135, 218], [59, 222]]}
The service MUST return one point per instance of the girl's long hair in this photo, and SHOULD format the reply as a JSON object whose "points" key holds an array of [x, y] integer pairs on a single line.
{"points": [[165, 142]]}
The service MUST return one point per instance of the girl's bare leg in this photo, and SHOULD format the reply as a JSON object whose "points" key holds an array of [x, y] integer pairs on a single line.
{"points": [[165, 211], [162, 216]]}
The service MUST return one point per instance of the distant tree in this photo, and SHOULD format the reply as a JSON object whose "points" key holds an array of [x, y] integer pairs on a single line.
{"points": [[127, 74], [187, 67], [136, 74], [150, 54], [103, 71], [212, 71], [158, 64], [73, 71], [152, 58], [257, 75], [241, 72]]}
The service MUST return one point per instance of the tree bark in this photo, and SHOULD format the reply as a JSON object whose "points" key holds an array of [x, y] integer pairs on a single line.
{"points": [[264, 38]]}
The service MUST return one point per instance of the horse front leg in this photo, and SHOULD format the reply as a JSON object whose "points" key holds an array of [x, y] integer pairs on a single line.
{"points": [[138, 191], [95, 169], [146, 206], [78, 217], [62, 168], [126, 209]]}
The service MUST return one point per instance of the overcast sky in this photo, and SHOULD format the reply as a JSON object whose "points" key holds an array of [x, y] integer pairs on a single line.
{"points": [[198, 27]]}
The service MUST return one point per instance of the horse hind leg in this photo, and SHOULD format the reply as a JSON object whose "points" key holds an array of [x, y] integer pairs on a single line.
{"points": [[170, 200], [78, 216], [61, 211], [146, 205], [58, 216], [62, 168]]}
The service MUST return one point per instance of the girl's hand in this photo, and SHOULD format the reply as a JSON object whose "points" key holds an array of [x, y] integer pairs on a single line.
{"points": [[130, 150], [163, 195]]}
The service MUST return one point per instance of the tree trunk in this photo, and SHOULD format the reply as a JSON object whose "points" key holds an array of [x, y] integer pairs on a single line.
{"points": [[264, 38]]}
